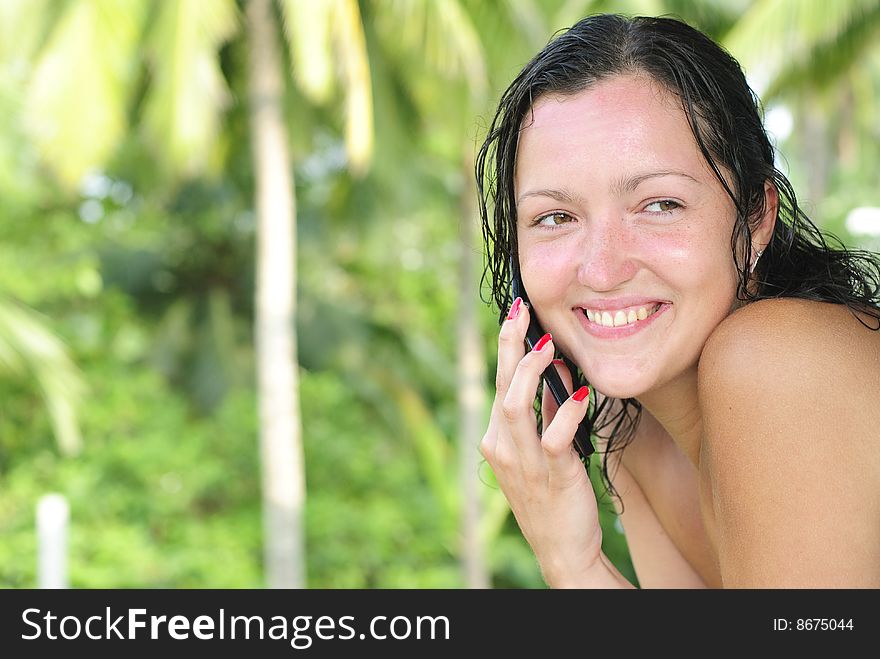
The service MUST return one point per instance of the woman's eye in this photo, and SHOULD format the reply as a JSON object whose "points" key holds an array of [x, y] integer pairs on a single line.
{"points": [[662, 206], [553, 220]]}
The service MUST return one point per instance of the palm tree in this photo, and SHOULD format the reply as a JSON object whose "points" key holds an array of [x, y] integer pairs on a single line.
{"points": [[281, 458], [85, 77]]}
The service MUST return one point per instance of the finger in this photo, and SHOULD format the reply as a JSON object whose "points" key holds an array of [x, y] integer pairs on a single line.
{"points": [[511, 348], [511, 345], [548, 402], [490, 438], [558, 437], [518, 405]]}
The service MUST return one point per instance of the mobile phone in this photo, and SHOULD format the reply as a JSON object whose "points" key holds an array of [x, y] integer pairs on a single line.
{"points": [[582, 442]]}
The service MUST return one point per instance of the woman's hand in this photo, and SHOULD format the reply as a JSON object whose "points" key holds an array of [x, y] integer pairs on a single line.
{"points": [[542, 477]]}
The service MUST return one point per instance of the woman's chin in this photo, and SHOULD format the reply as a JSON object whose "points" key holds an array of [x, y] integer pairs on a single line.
{"points": [[616, 389]]}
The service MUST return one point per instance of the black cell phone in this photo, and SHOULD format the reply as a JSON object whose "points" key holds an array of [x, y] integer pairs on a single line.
{"points": [[582, 442]]}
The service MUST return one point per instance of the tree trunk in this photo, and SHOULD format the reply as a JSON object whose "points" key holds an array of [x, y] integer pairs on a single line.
{"points": [[281, 454], [471, 386]]}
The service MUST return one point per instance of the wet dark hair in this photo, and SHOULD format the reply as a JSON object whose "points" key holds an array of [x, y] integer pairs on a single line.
{"points": [[725, 119]]}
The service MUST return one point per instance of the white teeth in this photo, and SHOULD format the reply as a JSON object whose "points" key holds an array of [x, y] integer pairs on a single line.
{"points": [[619, 318]]}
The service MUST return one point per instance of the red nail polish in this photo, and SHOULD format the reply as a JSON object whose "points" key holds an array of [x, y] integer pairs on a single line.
{"points": [[514, 309], [581, 393], [559, 362], [544, 341]]}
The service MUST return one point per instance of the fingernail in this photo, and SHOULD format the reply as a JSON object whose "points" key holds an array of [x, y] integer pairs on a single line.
{"points": [[514, 309], [544, 341], [581, 393]]}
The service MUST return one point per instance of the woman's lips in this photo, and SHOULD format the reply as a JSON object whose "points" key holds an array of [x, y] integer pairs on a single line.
{"points": [[602, 332]]}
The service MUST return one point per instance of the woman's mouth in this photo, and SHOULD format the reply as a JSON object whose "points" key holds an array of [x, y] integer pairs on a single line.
{"points": [[619, 323], [621, 316]]}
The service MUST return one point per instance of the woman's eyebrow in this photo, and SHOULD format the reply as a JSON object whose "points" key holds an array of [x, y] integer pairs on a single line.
{"points": [[630, 183], [563, 196], [619, 186]]}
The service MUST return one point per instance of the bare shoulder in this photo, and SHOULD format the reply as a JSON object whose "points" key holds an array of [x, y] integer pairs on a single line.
{"points": [[789, 357], [795, 339], [790, 396]]}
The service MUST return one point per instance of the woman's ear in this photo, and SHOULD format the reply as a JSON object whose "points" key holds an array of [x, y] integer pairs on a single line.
{"points": [[763, 230]]}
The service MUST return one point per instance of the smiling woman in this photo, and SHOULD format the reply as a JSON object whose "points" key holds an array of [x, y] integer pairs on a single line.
{"points": [[628, 186]]}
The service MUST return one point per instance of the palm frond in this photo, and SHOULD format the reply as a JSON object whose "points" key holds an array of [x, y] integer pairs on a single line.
{"points": [[75, 105], [326, 43], [188, 92], [29, 349], [828, 61], [777, 37], [348, 37], [307, 27], [442, 35]]}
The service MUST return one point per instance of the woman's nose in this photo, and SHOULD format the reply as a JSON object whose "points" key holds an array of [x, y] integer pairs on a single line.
{"points": [[607, 256]]}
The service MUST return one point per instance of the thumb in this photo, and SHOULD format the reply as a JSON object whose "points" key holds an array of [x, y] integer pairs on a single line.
{"points": [[549, 407]]}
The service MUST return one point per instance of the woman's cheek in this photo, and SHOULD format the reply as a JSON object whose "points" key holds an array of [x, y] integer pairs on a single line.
{"points": [[681, 256], [547, 269]]}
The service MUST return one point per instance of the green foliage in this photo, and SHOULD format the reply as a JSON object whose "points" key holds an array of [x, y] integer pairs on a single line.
{"points": [[372, 520], [158, 498], [161, 498]]}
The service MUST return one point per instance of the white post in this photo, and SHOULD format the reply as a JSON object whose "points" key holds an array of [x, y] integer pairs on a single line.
{"points": [[52, 517]]}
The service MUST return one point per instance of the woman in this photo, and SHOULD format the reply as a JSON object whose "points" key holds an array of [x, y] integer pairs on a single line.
{"points": [[628, 179]]}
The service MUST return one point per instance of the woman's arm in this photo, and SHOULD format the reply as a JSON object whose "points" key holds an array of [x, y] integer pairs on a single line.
{"points": [[657, 560], [603, 575]]}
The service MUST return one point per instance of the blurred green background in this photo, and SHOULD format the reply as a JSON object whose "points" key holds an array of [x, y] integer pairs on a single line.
{"points": [[129, 253]]}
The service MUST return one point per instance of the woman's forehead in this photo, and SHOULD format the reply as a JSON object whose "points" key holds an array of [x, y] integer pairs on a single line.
{"points": [[625, 121], [625, 91]]}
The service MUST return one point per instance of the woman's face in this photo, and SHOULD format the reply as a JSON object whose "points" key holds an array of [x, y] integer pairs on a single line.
{"points": [[617, 211]]}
